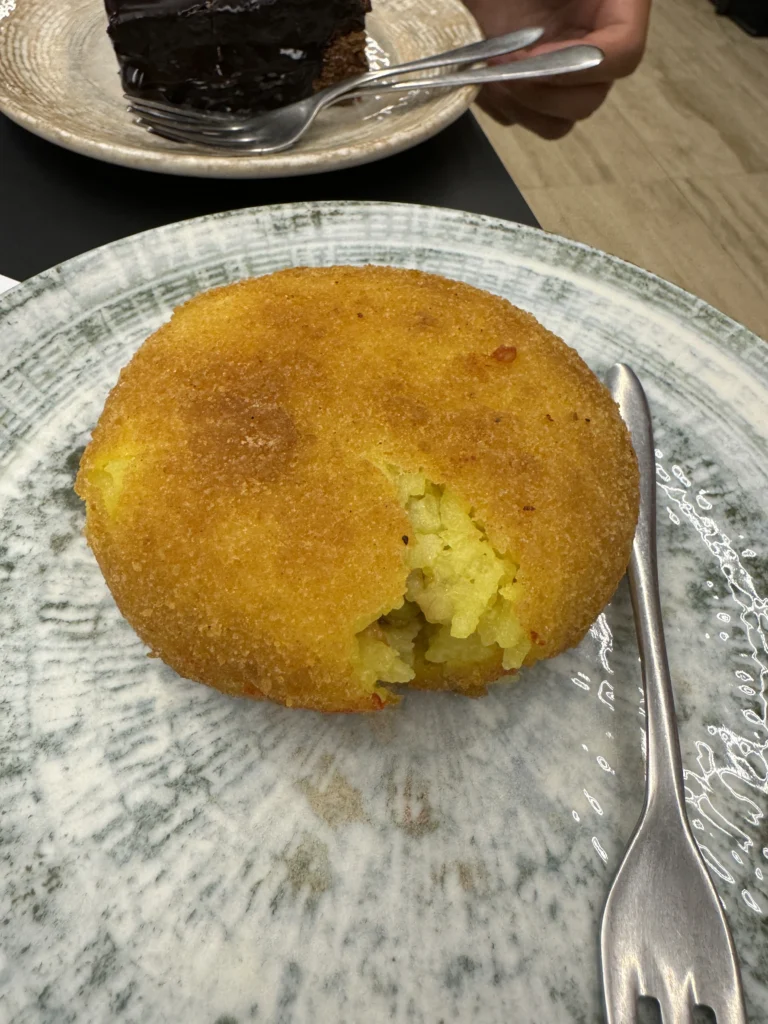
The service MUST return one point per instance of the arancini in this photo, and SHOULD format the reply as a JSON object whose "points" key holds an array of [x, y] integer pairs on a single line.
{"points": [[312, 485]]}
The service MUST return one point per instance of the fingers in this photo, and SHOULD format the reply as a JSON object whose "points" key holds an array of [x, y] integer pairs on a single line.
{"points": [[511, 113], [571, 104], [551, 106], [622, 45], [550, 128], [619, 29]]}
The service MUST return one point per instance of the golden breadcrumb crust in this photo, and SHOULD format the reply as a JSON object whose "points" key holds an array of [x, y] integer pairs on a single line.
{"points": [[234, 497]]}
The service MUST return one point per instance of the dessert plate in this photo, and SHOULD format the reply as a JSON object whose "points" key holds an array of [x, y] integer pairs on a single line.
{"points": [[59, 78], [170, 853]]}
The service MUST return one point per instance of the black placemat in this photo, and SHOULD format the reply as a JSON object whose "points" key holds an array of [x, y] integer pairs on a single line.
{"points": [[55, 204]]}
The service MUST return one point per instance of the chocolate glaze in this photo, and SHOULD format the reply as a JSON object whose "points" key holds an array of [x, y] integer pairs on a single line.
{"points": [[229, 54]]}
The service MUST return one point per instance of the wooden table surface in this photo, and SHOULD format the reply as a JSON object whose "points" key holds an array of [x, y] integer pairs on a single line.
{"points": [[672, 173]]}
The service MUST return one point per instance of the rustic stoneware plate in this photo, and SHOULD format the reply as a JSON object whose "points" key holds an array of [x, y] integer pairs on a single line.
{"points": [[59, 79], [172, 854]]}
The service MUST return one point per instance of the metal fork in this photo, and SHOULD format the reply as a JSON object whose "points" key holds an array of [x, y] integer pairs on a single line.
{"points": [[664, 934], [289, 123], [279, 129]]}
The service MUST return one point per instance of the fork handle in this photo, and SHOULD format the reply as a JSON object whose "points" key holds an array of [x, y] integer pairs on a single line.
{"points": [[665, 771], [580, 57], [483, 50]]}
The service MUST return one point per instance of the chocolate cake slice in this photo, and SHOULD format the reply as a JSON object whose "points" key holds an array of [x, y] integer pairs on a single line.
{"points": [[236, 55]]}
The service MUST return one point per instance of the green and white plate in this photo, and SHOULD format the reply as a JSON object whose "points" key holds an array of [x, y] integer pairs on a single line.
{"points": [[172, 854]]}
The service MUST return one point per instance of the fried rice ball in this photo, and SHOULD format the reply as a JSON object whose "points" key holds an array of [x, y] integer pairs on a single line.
{"points": [[313, 484]]}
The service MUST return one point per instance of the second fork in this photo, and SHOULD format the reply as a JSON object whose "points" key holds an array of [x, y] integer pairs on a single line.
{"points": [[280, 129]]}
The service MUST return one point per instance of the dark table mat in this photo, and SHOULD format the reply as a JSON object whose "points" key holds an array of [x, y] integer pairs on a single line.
{"points": [[55, 204]]}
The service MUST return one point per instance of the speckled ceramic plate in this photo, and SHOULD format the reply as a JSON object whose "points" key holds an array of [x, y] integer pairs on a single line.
{"points": [[59, 79], [172, 854]]}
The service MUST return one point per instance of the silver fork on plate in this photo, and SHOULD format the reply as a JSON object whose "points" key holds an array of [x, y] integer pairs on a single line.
{"points": [[284, 126], [279, 129], [664, 934]]}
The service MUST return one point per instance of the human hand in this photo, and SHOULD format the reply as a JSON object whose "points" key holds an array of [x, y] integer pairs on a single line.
{"points": [[550, 107]]}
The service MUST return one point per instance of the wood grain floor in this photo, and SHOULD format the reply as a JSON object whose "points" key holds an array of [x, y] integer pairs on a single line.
{"points": [[672, 173]]}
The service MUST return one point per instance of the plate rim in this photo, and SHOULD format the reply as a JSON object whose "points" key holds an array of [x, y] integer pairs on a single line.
{"points": [[728, 328], [455, 102]]}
